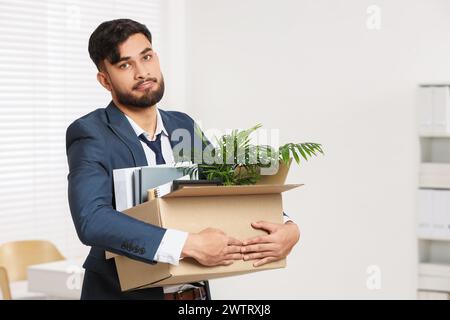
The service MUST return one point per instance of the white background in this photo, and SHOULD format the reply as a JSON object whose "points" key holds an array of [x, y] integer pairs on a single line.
{"points": [[314, 70]]}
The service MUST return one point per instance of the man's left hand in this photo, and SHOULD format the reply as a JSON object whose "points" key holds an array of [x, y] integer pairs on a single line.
{"points": [[276, 245]]}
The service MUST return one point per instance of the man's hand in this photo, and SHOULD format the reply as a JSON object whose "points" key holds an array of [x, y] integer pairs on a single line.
{"points": [[212, 247], [272, 247]]}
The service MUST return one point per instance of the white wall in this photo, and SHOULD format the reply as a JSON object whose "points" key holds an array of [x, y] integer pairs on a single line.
{"points": [[314, 70]]}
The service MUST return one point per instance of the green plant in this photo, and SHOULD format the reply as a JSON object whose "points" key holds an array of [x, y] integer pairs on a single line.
{"points": [[297, 150], [234, 160]]}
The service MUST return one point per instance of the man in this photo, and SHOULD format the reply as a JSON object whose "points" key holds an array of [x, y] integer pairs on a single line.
{"points": [[131, 131]]}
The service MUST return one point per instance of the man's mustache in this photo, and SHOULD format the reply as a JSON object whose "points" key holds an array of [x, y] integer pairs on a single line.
{"points": [[146, 80]]}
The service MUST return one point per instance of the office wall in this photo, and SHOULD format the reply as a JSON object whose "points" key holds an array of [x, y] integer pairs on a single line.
{"points": [[318, 72]]}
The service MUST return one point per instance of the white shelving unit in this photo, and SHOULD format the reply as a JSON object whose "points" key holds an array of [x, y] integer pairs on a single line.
{"points": [[433, 220]]}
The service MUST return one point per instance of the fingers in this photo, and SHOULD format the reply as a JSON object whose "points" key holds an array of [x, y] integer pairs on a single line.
{"points": [[258, 255], [234, 256], [258, 239], [258, 263], [267, 226], [234, 241], [264, 261], [259, 248], [233, 249]]}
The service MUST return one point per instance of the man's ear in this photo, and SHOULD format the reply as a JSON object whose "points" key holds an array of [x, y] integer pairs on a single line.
{"points": [[104, 81]]}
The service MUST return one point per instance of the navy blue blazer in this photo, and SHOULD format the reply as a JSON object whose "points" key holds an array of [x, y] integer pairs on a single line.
{"points": [[96, 144]]}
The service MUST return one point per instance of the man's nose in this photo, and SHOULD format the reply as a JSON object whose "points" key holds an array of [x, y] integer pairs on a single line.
{"points": [[140, 72]]}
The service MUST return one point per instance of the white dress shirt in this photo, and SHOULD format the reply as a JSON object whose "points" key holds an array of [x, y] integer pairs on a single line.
{"points": [[169, 250]]}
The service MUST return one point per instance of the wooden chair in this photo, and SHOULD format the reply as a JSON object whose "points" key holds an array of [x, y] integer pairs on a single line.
{"points": [[4, 284], [16, 256]]}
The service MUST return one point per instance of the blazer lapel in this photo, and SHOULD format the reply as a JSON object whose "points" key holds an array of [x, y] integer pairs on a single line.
{"points": [[187, 145], [170, 127], [119, 124]]}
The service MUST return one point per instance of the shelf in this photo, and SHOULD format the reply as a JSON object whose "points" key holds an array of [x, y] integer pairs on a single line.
{"points": [[434, 175], [430, 283], [434, 183], [437, 84], [433, 205], [432, 295], [435, 150], [433, 238], [435, 269], [434, 135], [434, 277]]}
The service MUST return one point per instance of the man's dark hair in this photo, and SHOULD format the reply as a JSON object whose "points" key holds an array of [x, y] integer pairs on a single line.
{"points": [[105, 40]]}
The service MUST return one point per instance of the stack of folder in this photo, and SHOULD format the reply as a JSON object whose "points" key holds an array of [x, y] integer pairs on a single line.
{"points": [[131, 185]]}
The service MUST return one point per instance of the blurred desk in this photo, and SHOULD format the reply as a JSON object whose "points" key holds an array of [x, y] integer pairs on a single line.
{"points": [[59, 280]]}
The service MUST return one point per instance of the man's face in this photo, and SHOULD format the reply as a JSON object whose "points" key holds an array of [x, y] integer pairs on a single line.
{"points": [[136, 80]]}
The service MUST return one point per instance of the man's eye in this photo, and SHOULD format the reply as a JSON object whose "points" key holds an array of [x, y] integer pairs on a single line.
{"points": [[148, 57], [124, 66]]}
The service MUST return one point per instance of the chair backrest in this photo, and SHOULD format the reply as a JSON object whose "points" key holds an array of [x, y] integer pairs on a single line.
{"points": [[16, 256], [4, 284]]}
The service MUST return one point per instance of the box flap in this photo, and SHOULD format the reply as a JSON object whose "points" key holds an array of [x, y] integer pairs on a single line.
{"points": [[179, 280], [143, 273], [147, 212], [230, 190], [110, 255]]}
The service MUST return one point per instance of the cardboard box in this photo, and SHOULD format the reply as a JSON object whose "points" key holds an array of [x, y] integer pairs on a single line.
{"points": [[277, 178], [192, 209]]}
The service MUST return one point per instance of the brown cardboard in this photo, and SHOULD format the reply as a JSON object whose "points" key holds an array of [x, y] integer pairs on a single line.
{"points": [[216, 190], [192, 209], [143, 216], [229, 190]]}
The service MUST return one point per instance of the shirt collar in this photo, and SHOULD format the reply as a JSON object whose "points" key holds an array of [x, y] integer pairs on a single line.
{"points": [[159, 126]]}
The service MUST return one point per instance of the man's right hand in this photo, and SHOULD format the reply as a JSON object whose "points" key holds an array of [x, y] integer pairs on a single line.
{"points": [[212, 247]]}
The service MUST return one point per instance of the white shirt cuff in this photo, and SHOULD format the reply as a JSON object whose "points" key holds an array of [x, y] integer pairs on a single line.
{"points": [[287, 219], [169, 250]]}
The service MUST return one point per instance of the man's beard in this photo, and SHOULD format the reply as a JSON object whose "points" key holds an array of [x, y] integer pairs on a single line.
{"points": [[149, 98]]}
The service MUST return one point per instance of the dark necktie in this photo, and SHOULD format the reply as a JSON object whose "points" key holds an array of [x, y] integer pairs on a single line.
{"points": [[155, 146]]}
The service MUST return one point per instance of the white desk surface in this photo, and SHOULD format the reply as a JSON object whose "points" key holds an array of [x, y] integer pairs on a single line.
{"points": [[61, 279]]}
